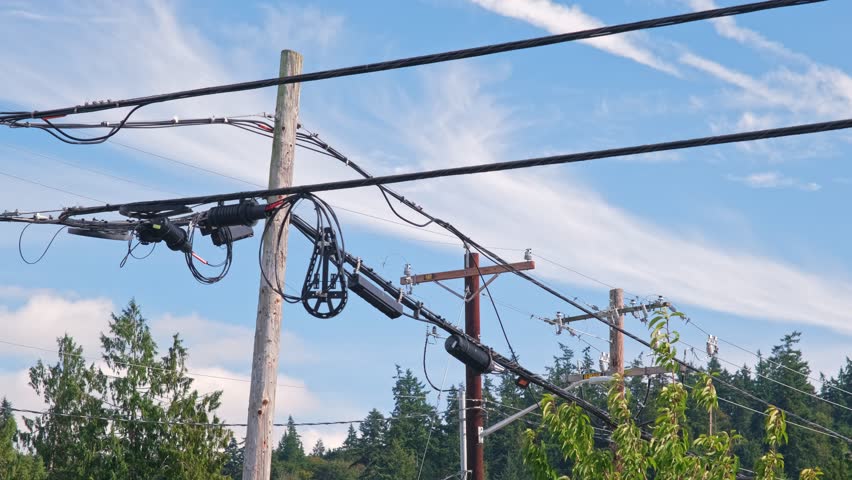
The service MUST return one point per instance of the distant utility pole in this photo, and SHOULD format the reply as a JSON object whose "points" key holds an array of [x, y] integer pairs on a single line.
{"points": [[616, 338], [473, 380], [616, 350], [267, 334]]}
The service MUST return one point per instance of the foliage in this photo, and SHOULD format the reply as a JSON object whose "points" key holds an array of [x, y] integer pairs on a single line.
{"points": [[13, 463], [136, 419], [669, 452]]}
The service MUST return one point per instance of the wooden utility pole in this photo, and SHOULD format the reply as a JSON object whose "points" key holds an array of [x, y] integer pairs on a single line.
{"points": [[475, 420], [267, 334], [473, 381], [463, 433], [616, 338], [616, 351]]}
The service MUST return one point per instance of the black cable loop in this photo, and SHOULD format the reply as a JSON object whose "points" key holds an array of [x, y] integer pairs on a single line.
{"points": [[49, 244]]}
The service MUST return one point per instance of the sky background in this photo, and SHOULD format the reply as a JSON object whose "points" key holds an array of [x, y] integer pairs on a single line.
{"points": [[750, 240]]}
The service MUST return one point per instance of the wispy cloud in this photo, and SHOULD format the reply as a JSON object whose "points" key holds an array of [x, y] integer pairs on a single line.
{"points": [[557, 18], [774, 180], [728, 28]]}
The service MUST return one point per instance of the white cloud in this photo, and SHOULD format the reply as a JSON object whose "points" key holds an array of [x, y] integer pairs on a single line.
{"points": [[580, 228], [774, 180], [217, 356], [728, 28], [557, 18], [816, 90], [222, 344]]}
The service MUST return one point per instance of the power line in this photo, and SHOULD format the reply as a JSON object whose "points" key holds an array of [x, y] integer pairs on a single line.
{"points": [[87, 169], [411, 61], [803, 129], [790, 422], [195, 424], [690, 321], [57, 189], [765, 377]]}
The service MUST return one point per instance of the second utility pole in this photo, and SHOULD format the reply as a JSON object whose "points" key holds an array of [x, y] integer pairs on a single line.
{"points": [[267, 334], [473, 381]]}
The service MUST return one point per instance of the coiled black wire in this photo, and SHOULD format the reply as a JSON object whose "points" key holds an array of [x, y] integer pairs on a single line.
{"points": [[325, 219], [224, 265]]}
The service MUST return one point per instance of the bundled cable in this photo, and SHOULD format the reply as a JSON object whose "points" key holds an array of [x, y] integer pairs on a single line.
{"points": [[60, 130]]}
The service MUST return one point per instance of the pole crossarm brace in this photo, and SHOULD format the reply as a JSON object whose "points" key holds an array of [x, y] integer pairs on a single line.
{"points": [[608, 313]]}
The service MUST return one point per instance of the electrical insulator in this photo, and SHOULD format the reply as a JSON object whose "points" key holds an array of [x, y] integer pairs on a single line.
{"points": [[635, 313], [528, 254], [470, 354], [409, 286], [559, 322], [712, 345], [603, 362]]}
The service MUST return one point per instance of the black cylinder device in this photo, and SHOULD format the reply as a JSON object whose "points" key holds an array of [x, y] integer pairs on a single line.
{"points": [[246, 213], [162, 230], [472, 355]]}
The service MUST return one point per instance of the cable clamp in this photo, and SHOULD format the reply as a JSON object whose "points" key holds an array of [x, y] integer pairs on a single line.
{"points": [[401, 293]]}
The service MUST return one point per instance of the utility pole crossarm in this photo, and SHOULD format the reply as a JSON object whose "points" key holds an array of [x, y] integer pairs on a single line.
{"points": [[467, 272], [619, 311]]}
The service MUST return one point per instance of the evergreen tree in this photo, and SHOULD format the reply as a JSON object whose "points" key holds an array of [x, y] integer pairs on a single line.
{"points": [[135, 423], [804, 449], [319, 449], [290, 446], [13, 463], [235, 454], [371, 441], [414, 422]]}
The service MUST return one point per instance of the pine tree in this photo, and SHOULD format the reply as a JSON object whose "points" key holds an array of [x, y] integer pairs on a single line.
{"points": [[414, 422], [235, 454], [13, 463], [319, 449], [804, 449], [133, 423], [290, 446]]}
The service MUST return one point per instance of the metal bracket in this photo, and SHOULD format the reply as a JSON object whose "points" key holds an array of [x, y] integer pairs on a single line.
{"points": [[467, 296]]}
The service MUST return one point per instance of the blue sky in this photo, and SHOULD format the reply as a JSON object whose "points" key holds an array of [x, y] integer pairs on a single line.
{"points": [[749, 240]]}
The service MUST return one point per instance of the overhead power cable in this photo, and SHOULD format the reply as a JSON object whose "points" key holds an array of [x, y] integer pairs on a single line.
{"points": [[789, 422], [690, 321], [766, 377], [803, 129], [195, 424], [43, 185], [411, 61]]}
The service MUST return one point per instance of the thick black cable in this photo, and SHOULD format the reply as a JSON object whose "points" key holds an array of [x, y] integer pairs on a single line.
{"points": [[68, 138], [803, 129], [426, 370], [49, 244], [413, 61], [496, 312], [644, 402], [328, 150]]}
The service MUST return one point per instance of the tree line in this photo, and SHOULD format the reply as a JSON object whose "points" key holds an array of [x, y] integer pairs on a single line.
{"points": [[138, 416]]}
